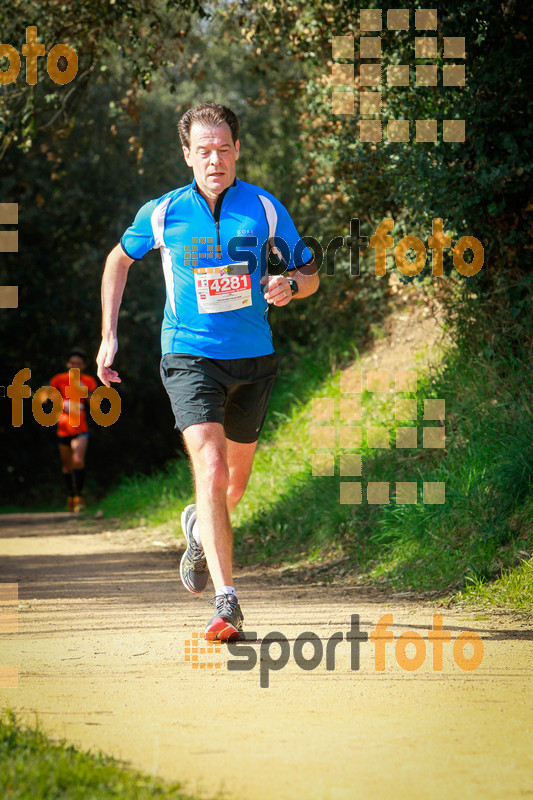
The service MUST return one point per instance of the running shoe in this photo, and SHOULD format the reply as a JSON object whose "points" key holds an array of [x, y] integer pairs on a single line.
{"points": [[79, 504], [228, 619], [194, 571]]}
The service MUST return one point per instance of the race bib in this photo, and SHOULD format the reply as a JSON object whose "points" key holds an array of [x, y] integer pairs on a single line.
{"points": [[225, 288]]}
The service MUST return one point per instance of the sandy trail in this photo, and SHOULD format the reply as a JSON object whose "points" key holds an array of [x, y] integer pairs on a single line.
{"points": [[100, 651]]}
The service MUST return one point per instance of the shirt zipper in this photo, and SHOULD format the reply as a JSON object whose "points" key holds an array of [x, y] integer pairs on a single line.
{"points": [[216, 214]]}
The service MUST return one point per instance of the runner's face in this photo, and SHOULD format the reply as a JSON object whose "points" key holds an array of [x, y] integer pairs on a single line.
{"points": [[212, 156], [76, 362]]}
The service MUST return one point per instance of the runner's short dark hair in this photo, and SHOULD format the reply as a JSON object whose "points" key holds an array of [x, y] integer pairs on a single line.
{"points": [[209, 114], [77, 351]]}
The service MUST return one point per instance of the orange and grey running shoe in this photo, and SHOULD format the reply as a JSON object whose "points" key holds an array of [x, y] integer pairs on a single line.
{"points": [[228, 619], [194, 571]]}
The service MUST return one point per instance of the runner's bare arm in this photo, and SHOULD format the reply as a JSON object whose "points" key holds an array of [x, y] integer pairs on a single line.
{"points": [[113, 281], [278, 290]]}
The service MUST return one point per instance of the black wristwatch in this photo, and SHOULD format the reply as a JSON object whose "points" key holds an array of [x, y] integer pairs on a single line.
{"points": [[293, 285]]}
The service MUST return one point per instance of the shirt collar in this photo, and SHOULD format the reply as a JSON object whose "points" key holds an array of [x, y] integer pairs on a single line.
{"points": [[196, 189]]}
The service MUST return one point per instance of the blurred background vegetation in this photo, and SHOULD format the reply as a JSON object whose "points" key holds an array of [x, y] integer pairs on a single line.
{"points": [[81, 159]]}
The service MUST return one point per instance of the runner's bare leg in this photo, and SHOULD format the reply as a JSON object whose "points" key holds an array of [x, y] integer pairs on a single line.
{"points": [[206, 444], [66, 457], [221, 470], [240, 460], [79, 448]]}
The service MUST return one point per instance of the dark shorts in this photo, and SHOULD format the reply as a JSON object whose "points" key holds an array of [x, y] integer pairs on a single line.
{"points": [[234, 392], [67, 439]]}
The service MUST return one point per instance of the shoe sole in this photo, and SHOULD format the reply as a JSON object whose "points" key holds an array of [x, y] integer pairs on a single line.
{"points": [[185, 514], [222, 630]]}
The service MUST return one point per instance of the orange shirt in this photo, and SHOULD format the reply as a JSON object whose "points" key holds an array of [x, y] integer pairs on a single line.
{"points": [[59, 382]]}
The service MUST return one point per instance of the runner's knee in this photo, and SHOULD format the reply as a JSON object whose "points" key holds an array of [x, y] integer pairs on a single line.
{"points": [[234, 493], [212, 473]]}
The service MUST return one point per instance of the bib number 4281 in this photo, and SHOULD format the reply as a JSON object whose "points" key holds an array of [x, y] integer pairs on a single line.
{"points": [[229, 283]]}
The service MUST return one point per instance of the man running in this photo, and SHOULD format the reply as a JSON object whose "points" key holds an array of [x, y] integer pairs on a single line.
{"points": [[218, 363], [73, 439]]}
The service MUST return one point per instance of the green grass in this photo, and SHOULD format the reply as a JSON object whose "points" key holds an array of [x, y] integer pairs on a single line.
{"points": [[488, 470], [32, 767], [151, 499], [288, 516], [514, 589]]}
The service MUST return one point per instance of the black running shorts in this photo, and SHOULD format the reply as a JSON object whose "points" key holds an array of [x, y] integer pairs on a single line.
{"points": [[68, 439], [234, 392]]}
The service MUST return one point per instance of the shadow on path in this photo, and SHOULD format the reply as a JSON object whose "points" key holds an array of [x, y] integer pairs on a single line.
{"points": [[132, 574], [44, 524]]}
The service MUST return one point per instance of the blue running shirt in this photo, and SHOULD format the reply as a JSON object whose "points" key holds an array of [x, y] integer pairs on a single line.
{"points": [[215, 305]]}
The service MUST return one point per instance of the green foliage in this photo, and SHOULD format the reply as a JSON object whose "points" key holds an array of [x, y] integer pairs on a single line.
{"points": [[128, 27], [76, 196], [151, 499], [80, 162], [78, 180], [480, 188], [32, 767], [487, 468], [514, 588], [289, 517], [77, 192]]}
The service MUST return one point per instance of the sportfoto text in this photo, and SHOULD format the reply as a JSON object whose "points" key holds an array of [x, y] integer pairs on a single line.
{"points": [[32, 50], [74, 392], [381, 636], [379, 242]]}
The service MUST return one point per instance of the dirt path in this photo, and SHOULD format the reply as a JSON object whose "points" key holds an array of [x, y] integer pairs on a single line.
{"points": [[101, 659]]}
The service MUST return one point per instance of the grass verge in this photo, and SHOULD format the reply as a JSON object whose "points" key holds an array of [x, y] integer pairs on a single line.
{"points": [[474, 543], [514, 589], [32, 767]]}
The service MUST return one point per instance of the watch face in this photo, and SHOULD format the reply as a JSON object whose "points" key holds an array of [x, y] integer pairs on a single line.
{"points": [[294, 286]]}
